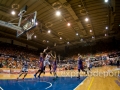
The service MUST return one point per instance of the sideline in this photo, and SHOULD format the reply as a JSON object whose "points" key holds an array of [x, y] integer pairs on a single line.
{"points": [[80, 83], [90, 83]]}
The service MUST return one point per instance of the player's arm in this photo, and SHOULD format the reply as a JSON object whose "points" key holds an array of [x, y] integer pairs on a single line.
{"points": [[54, 55], [45, 50]]}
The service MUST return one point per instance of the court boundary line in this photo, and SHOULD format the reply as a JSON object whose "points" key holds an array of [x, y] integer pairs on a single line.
{"points": [[1, 88], [80, 83], [39, 81], [49, 83], [90, 83]]}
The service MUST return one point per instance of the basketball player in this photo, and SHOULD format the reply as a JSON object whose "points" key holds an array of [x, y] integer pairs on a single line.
{"points": [[88, 63], [40, 71], [80, 65], [47, 58], [24, 69], [10, 66], [118, 61], [54, 66]]}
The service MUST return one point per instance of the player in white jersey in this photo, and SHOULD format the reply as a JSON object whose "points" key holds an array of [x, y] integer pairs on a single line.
{"points": [[24, 69], [88, 63], [47, 59]]}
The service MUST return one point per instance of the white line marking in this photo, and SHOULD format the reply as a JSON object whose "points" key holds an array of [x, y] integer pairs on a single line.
{"points": [[81, 83], [48, 86], [117, 69], [40, 81], [1, 88], [21, 86]]}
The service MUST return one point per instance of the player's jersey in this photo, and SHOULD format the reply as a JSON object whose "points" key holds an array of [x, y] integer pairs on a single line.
{"points": [[25, 64], [47, 58], [54, 65], [41, 63], [80, 63], [88, 63], [41, 59]]}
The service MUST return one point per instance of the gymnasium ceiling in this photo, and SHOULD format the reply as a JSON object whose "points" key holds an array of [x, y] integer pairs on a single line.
{"points": [[99, 13]]}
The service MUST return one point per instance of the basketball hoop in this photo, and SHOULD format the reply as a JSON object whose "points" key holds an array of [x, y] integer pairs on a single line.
{"points": [[29, 34]]}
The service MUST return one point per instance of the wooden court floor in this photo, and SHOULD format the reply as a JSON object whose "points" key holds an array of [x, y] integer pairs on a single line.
{"points": [[99, 78]]}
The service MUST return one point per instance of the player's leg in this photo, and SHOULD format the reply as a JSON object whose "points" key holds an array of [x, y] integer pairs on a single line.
{"points": [[40, 72], [78, 73], [89, 68], [45, 63], [25, 74], [55, 75], [49, 66], [50, 69], [83, 69], [25, 71], [20, 74], [36, 73], [54, 72], [118, 64]]}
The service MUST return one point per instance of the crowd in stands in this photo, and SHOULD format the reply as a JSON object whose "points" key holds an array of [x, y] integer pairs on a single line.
{"points": [[11, 56], [96, 60]]}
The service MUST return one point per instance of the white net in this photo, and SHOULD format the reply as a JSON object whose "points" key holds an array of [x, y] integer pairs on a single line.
{"points": [[29, 34]]}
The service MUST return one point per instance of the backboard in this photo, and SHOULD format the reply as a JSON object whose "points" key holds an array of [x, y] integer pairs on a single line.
{"points": [[27, 24]]}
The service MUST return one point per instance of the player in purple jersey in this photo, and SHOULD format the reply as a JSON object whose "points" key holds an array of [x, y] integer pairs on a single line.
{"points": [[80, 65], [41, 67], [54, 65]]}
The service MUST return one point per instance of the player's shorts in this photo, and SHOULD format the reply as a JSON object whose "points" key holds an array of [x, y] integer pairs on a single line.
{"points": [[41, 65], [80, 68], [24, 70], [41, 70], [46, 62], [54, 68], [88, 65], [118, 64]]}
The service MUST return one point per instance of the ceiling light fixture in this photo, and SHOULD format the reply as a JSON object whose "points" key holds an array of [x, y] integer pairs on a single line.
{"points": [[79, 5], [77, 34], [60, 37], [86, 19], [105, 34], [106, 27], [90, 30], [58, 13], [68, 43], [35, 36], [81, 39], [68, 24], [13, 12], [93, 37], [36, 23], [106, 1], [54, 44], [49, 31]]}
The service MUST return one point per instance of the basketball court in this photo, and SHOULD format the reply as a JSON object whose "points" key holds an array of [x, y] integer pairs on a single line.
{"points": [[43, 84], [65, 81]]}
